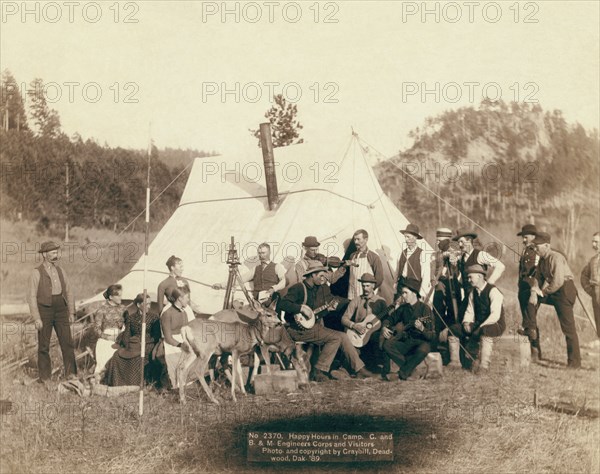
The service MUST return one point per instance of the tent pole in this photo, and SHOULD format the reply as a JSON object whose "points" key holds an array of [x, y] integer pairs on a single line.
{"points": [[144, 305]]}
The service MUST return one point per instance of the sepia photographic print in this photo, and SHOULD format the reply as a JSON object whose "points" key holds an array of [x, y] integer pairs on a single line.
{"points": [[286, 236]]}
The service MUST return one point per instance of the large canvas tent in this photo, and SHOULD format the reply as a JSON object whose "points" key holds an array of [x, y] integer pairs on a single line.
{"points": [[320, 194]]}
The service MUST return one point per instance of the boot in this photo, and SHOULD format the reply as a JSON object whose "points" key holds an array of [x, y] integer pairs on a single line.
{"points": [[525, 351], [454, 346], [536, 348], [485, 352]]}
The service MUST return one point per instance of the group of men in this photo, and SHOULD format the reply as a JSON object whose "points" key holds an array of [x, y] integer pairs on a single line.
{"points": [[445, 301]]}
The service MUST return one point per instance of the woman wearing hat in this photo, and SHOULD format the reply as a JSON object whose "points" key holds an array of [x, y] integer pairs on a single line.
{"points": [[109, 320], [172, 320]]}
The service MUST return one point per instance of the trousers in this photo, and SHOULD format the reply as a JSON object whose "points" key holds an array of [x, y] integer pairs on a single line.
{"points": [[55, 317]]}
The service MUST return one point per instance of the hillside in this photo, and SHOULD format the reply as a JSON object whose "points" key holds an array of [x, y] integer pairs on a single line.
{"points": [[499, 163]]}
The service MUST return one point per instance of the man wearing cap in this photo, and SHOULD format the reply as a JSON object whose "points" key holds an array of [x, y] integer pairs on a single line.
{"points": [[590, 279], [52, 305], [413, 262], [311, 253], [408, 332], [527, 279], [474, 256], [363, 261], [300, 301], [358, 310], [558, 290], [446, 297], [483, 319]]}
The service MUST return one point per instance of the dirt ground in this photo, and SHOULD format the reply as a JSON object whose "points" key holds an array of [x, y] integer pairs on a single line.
{"points": [[459, 423]]}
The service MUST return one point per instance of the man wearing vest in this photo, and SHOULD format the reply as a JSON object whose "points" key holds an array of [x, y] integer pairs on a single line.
{"points": [[527, 279], [51, 304], [268, 277], [558, 290], [590, 280], [470, 256], [302, 299], [363, 261], [446, 296], [483, 319], [413, 262]]}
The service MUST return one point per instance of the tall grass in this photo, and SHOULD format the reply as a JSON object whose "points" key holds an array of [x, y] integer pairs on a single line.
{"points": [[92, 259]]}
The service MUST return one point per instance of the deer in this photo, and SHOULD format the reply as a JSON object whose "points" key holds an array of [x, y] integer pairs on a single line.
{"points": [[205, 338]]}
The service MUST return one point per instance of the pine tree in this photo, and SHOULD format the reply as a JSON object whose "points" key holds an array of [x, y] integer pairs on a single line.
{"points": [[46, 120], [12, 108], [284, 125]]}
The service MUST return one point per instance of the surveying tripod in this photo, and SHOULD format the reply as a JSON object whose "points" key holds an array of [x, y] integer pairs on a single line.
{"points": [[234, 274]]}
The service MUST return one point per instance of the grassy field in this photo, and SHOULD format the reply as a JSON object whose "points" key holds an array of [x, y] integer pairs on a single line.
{"points": [[92, 258], [459, 423]]}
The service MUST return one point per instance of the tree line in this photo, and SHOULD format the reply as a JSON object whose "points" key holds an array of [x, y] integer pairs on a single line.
{"points": [[106, 186]]}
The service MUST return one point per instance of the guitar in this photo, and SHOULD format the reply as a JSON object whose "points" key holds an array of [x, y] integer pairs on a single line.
{"points": [[307, 322], [373, 325], [360, 340]]}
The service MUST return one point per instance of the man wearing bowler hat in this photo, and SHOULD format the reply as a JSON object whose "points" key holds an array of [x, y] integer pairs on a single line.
{"points": [[558, 290], [51, 304], [311, 253], [527, 279], [413, 262], [358, 317]]}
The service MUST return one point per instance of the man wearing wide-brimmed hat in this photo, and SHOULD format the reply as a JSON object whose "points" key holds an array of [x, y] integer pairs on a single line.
{"points": [[413, 263], [558, 290], [52, 305], [474, 256], [527, 279], [300, 301], [408, 332]]}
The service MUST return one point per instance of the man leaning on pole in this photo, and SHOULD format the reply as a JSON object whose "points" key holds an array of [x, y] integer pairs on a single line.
{"points": [[558, 290]]}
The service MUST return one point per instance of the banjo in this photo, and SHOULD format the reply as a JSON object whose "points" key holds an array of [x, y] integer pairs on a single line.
{"points": [[307, 322]]}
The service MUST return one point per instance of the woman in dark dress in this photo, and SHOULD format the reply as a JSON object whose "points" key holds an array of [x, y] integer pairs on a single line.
{"points": [[125, 367]]}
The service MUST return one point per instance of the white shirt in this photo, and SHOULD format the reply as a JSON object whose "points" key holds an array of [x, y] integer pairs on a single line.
{"points": [[496, 299]]}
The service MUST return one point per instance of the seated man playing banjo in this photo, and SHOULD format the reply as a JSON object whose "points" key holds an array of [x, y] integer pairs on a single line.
{"points": [[362, 320], [303, 304]]}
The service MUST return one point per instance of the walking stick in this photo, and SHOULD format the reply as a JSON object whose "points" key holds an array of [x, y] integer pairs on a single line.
{"points": [[592, 322]]}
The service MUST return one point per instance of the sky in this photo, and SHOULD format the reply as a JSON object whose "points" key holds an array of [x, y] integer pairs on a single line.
{"points": [[199, 74]]}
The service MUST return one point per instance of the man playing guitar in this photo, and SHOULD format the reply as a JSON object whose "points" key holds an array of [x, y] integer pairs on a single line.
{"points": [[362, 320], [299, 303], [408, 332]]}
